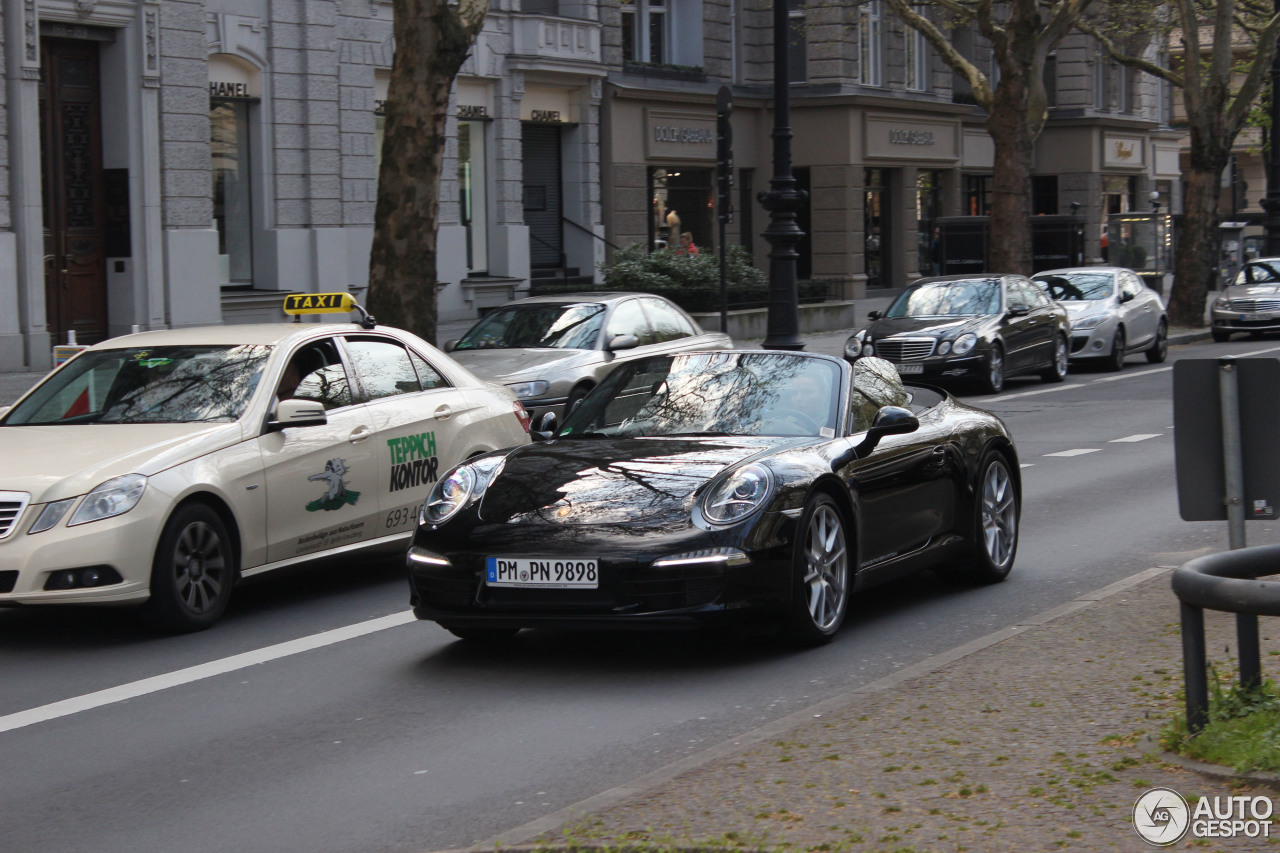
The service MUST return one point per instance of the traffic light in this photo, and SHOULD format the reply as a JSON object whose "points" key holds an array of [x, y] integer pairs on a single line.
{"points": [[724, 154]]}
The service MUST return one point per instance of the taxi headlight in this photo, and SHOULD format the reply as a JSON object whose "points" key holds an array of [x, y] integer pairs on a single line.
{"points": [[964, 344], [112, 498], [736, 496], [51, 515], [529, 390]]}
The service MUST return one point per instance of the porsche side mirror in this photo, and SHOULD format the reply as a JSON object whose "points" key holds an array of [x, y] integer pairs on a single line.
{"points": [[873, 315], [890, 420], [544, 426], [297, 413], [450, 345], [618, 342]]}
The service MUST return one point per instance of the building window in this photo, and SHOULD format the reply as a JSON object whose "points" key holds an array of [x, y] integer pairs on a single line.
{"points": [[977, 195], [644, 31], [928, 205], [1044, 195], [797, 46], [871, 44], [1101, 79], [232, 189], [1051, 80], [473, 201], [917, 57]]}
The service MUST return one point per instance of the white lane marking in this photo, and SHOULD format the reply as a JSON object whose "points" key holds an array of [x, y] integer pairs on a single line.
{"points": [[120, 693], [1142, 436], [1080, 451], [1027, 465]]}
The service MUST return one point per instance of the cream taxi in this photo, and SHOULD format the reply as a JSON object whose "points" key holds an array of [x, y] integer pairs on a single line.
{"points": [[157, 469]]}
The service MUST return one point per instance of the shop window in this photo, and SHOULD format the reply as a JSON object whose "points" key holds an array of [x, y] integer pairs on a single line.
{"points": [[1044, 195], [681, 199], [875, 224], [928, 201], [871, 43], [473, 203], [977, 195], [232, 189], [1051, 80]]}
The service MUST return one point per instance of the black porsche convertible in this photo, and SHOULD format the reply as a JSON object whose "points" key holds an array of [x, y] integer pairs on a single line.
{"points": [[715, 486]]}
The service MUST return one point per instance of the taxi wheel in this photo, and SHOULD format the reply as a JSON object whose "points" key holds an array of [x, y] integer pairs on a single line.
{"points": [[193, 571], [575, 397]]}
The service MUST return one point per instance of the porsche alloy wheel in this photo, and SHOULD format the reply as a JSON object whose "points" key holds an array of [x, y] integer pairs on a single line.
{"points": [[821, 589], [996, 522], [193, 571]]}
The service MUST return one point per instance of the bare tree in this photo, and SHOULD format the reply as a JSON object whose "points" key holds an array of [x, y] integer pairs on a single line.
{"points": [[1022, 33], [1220, 82], [433, 38]]}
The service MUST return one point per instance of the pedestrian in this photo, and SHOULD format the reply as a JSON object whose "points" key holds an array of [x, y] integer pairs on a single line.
{"points": [[687, 246]]}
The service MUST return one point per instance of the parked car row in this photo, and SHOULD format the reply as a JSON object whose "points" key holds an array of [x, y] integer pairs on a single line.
{"points": [[980, 329], [1251, 303]]}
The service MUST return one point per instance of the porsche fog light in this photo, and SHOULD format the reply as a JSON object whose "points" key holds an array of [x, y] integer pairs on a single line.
{"points": [[450, 494], [51, 515], [112, 498], [964, 344], [736, 496], [529, 390]]}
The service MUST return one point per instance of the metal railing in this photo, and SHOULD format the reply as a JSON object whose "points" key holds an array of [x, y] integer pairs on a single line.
{"points": [[1226, 582]]}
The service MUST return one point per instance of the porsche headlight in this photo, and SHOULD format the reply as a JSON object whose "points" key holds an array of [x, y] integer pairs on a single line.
{"points": [[736, 496], [964, 344], [1089, 322], [458, 488], [529, 390], [114, 497]]}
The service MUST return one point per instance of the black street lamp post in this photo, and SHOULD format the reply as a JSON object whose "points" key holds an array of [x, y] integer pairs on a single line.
{"points": [[783, 201], [1271, 203]]}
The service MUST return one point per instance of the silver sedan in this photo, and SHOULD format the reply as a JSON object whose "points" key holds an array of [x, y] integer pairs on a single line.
{"points": [[552, 350], [1113, 313], [1251, 304]]}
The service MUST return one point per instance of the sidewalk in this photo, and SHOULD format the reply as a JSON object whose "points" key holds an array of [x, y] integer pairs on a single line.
{"points": [[1031, 739]]}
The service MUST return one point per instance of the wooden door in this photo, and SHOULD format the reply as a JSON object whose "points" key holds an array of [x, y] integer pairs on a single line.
{"points": [[71, 170]]}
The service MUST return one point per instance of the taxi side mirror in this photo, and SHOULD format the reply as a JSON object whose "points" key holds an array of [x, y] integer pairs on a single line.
{"points": [[450, 345], [297, 413], [619, 342]]}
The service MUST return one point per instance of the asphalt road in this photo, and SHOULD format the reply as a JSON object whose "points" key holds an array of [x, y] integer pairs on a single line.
{"points": [[400, 738]]}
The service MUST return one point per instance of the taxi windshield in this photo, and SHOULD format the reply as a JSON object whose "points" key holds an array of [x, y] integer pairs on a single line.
{"points": [[553, 325], [165, 384]]}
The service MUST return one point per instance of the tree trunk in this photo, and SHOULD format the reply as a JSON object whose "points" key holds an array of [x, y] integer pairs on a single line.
{"points": [[1010, 236], [1197, 245], [432, 42]]}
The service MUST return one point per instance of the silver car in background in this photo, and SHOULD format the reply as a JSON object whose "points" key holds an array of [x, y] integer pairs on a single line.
{"points": [[1113, 313], [552, 350], [1251, 304]]}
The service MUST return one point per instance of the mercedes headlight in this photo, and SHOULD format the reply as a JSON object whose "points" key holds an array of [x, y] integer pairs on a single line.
{"points": [[853, 347], [736, 496], [1089, 322], [112, 498], [529, 390], [964, 344], [1222, 303]]}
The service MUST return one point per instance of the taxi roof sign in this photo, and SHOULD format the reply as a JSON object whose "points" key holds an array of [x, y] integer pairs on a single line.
{"points": [[325, 303]]}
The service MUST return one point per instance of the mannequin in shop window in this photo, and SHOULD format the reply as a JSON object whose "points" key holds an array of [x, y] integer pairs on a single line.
{"points": [[673, 228]]}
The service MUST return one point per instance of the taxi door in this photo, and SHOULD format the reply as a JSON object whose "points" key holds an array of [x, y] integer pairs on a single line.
{"points": [[321, 480], [417, 421]]}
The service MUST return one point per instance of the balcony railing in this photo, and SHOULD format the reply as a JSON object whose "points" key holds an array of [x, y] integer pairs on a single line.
{"points": [[558, 39]]}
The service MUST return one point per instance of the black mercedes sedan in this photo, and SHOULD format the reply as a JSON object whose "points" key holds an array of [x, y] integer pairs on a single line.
{"points": [[978, 329], [702, 488]]}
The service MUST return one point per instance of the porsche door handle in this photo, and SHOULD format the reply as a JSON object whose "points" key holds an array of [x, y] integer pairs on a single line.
{"points": [[359, 434]]}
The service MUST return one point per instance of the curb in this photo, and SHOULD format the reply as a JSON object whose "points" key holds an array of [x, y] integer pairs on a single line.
{"points": [[619, 793], [1151, 746]]}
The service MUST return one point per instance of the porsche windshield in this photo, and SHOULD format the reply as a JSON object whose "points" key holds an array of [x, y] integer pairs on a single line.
{"points": [[714, 393], [1085, 287], [165, 384], [966, 298], [551, 325]]}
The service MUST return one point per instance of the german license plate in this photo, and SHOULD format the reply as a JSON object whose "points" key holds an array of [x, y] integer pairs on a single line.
{"points": [[909, 368], [1257, 318], [542, 573]]}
